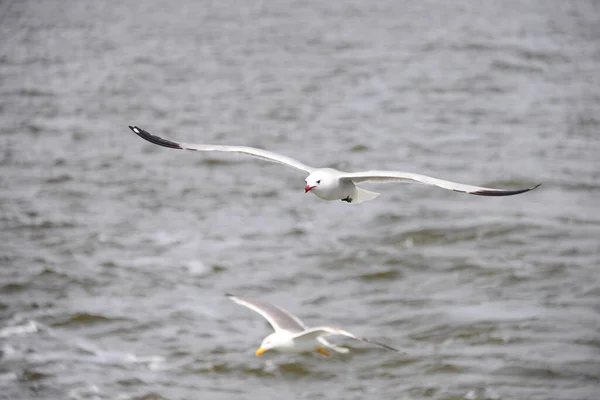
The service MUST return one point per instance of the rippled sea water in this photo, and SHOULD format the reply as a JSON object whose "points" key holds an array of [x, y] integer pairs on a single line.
{"points": [[116, 254]]}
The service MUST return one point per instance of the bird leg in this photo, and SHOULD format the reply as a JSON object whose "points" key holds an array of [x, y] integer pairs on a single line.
{"points": [[347, 199], [322, 351]]}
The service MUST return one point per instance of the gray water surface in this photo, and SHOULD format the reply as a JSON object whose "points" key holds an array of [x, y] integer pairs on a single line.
{"points": [[116, 254]]}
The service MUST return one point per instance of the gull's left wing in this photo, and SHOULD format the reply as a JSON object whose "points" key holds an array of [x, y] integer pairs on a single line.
{"points": [[328, 330], [399, 176]]}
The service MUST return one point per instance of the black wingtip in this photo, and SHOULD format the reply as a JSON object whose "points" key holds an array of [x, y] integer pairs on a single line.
{"points": [[383, 345], [229, 295], [504, 192], [154, 139]]}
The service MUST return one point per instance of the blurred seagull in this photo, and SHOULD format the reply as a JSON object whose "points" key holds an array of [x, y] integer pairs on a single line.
{"points": [[329, 183], [292, 336]]}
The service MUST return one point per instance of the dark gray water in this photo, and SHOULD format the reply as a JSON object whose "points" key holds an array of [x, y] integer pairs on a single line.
{"points": [[116, 254]]}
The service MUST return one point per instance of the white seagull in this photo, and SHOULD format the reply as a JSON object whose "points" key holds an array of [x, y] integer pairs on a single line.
{"points": [[292, 336], [329, 183]]}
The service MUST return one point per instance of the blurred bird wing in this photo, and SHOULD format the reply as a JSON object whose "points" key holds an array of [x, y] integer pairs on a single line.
{"points": [[315, 333], [279, 319]]}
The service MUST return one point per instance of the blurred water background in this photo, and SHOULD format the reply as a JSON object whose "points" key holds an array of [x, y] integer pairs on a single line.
{"points": [[116, 254]]}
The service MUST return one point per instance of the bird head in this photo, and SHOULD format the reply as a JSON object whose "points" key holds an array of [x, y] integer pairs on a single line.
{"points": [[316, 180], [268, 343]]}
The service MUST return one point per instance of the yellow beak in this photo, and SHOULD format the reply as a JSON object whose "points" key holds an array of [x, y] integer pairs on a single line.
{"points": [[259, 351]]}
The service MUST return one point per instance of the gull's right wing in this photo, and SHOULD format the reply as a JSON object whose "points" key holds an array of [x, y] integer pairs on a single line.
{"points": [[279, 319], [399, 176], [250, 151]]}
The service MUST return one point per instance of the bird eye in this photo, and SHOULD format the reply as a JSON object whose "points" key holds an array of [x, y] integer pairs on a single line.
{"points": [[319, 181]]}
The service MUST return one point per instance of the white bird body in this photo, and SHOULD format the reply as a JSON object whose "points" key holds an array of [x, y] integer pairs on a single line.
{"points": [[328, 184], [331, 184], [283, 342]]}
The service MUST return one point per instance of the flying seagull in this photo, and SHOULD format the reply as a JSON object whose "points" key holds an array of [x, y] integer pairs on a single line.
{"points": [[292, 336], [329, 183]]}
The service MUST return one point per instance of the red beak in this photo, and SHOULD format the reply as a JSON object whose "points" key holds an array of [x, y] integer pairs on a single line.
{"points": [[308, 188]]}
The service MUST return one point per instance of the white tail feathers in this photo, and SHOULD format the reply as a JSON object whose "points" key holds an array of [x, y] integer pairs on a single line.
{"points": [[364, 195]]}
